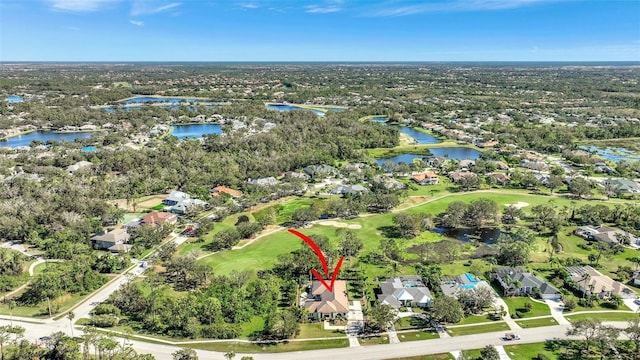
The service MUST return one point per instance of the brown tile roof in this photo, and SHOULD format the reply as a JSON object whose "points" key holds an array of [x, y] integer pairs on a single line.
{"points": [[223, 189], [424, 175], [330, 302], [157, 218]]}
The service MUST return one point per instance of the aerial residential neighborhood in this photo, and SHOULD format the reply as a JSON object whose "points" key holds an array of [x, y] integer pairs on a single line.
{"points": [[327, 179]]}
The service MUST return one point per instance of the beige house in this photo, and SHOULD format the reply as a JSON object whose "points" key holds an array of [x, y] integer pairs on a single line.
{"points": [[323, 304], [591, 282], [114, 241]]}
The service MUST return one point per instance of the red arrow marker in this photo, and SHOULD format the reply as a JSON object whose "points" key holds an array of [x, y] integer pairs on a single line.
{"points": [[320, 255]]}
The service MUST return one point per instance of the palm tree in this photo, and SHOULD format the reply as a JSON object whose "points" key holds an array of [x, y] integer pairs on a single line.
{"points": [[71, 316], [12, 305], [585, 278]]}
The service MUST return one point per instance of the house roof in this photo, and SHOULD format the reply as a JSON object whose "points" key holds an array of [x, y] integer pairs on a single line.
{"points": [[177, 196], [330, 302], [223, 189], [120, 247], [501, 177], [625, 185], [158, 217], [404, 288], [425, 175], [314, 170], [600, 283], [114, 236], [527, 279]]}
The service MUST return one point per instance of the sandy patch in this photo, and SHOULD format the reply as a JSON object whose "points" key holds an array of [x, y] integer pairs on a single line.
{"points": [[339, 224], [519, 204], [141, 204]]}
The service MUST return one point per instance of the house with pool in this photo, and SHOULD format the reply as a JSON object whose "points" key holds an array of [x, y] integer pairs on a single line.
{"points": [[452, 285]]}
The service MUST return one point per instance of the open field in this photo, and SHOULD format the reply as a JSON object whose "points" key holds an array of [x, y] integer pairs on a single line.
{"points": [[262, 253], [140, 204]]}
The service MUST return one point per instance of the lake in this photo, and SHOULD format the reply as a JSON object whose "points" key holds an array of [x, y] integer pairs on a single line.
{"points": [[44, 136], [457, 153], [150, 99], [285, 107], [14, 99], [487, 236], [418, 136], [616, 154], [195, 131]]}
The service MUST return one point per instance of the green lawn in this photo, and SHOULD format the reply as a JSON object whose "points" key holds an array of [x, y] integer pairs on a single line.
{"points": [[478, 329], [528, 351], [417, 335], [597, 306], [475, 319], [41, 310], [271, 348], [517, 304], [604, 316], [255, 325], [411, 322], [262, 254], [446, 356], [472, 354], [316, 330], [525, 324], [374, 340]]}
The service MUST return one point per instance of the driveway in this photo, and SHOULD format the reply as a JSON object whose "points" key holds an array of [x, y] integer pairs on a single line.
{"points": [[632, 305], [355, 322], [557, 308]]}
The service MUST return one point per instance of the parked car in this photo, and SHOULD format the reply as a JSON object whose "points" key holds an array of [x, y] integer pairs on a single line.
{"points": [[511, 336]]}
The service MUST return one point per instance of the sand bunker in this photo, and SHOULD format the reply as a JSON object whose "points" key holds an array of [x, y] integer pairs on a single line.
{"points": [[340, 224], [519, 204]]}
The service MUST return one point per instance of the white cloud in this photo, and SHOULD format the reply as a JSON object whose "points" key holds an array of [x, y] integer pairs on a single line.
{"points": [[458, 6], [147, 7], [136, 23], [79, 5], [317, 9], [249, 6]]}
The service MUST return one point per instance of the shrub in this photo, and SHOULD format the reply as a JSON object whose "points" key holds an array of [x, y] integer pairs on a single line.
{"points": [[104, 321]]}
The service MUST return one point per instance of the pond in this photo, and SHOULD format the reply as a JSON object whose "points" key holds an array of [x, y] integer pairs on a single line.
{"points": [[285, 107], [14, 99], [153, 99], [616, 154], [140, 107], [89, 149], [418, 136], [195, 131], [44, 136], [487, 236], [457, 153]]}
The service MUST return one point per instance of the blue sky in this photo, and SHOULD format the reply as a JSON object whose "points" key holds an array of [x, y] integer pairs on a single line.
{"points": [[319, 30]]}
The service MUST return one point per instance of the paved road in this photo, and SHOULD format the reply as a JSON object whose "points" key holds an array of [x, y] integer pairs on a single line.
{"points": [[377, 352]]}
